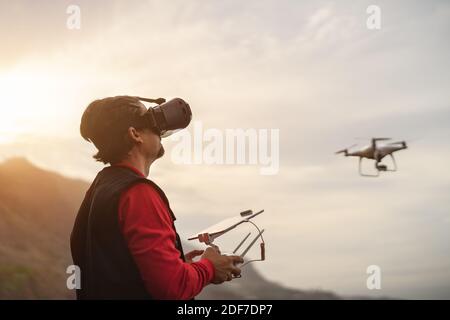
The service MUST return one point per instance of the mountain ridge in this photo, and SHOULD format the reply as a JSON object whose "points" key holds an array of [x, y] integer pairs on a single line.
{"points": [[37, 211]]}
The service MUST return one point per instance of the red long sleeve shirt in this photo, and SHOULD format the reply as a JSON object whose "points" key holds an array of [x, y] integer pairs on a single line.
{"points": [[147, 228]]}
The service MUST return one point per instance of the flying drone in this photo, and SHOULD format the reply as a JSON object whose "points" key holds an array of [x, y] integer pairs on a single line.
{"points": [[376, 151]]}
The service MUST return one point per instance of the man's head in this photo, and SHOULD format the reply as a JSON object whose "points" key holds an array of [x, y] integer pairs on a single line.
{"points": [[115, 127]]}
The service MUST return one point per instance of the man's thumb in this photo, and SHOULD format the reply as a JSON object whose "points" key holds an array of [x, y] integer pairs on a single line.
{"points": [[237, 259]]}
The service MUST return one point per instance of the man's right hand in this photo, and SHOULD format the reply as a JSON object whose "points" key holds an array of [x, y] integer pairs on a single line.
{"points": [[224, 266]]}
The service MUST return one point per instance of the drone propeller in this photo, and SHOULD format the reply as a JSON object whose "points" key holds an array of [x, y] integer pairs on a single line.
{"points": [[403, 143], [415, 139], [372, 138], [346, 149]]}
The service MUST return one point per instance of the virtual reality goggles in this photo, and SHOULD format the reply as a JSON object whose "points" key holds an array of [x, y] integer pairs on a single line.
{"points": [[167, 117]]}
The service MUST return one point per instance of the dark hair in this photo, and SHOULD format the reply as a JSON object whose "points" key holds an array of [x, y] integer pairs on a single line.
{"points": [[105, 122]]}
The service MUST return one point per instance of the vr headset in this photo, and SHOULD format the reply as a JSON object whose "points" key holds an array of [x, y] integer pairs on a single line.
{"points": [[167, 117]]}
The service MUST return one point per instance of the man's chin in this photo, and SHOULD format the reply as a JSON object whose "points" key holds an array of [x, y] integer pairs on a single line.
{"points": [[160, 152]]}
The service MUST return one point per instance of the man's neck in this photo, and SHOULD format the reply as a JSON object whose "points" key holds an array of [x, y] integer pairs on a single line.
{"points": [[139, 163]]}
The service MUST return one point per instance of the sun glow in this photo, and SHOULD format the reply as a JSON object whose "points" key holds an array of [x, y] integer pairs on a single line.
{"points": [[26, 99]]}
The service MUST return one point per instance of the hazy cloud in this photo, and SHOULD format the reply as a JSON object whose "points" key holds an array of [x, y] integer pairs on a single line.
{"points": [[312, 70]]}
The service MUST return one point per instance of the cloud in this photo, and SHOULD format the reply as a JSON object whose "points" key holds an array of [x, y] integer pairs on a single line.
{"points": [[312, 70]]}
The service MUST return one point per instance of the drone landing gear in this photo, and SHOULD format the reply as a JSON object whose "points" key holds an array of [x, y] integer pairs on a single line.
{"points": [[380, 167], [394, 164], [361, 173]]}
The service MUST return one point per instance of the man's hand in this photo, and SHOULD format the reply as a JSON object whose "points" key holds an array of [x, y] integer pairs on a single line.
{"points": [[192, 254], [224, 266]]}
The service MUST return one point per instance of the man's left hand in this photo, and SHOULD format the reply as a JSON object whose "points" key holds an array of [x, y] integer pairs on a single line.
{"points": [[192, 254]]}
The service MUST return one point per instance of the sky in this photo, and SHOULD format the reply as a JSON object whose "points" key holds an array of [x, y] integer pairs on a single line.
{"points": [[312, 70]]}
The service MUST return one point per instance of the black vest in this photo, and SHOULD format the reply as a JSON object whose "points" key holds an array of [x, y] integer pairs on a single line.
{"points": [[98, 247]]}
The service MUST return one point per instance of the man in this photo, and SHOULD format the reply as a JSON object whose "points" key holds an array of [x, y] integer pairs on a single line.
{"points": [[124, 238]]}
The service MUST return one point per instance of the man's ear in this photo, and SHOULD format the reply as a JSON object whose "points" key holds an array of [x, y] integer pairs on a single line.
{"points": [[134, 135]]}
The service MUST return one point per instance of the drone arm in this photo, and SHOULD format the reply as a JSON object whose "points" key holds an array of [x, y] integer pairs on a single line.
{"points": [[374, 144]]}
